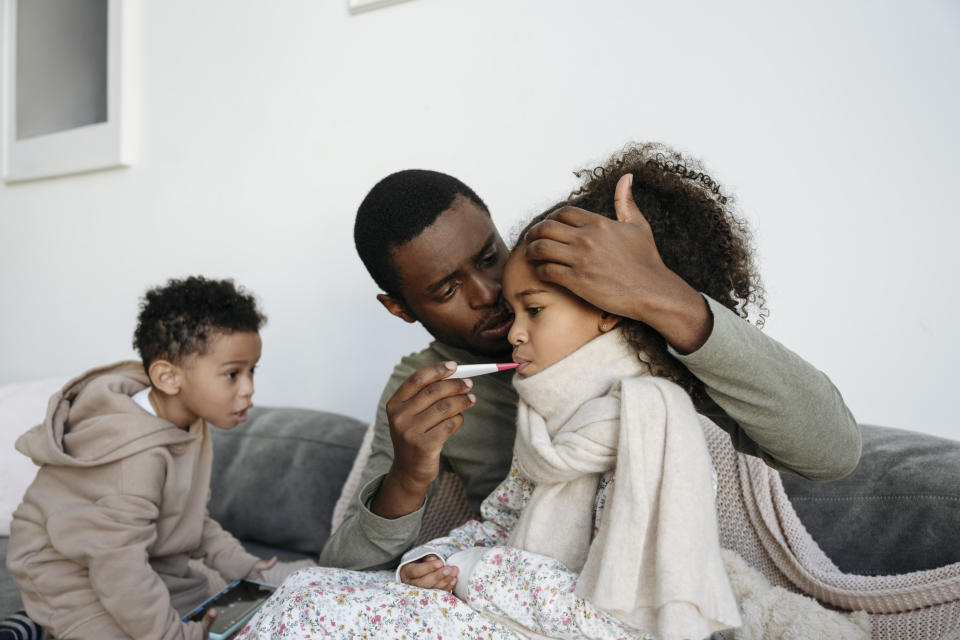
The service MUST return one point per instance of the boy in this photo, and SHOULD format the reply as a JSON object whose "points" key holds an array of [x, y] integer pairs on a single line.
{"points": [[100, 544]]}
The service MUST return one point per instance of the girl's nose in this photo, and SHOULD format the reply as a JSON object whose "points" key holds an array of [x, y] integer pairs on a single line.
{"points": [[517, 334]]}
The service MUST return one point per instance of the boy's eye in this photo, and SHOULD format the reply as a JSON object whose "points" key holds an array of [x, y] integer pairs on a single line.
{"points": [[231, 375], [253, 369]]}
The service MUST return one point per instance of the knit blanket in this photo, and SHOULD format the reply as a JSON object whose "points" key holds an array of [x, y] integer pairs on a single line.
{"points": [[758, 522]]}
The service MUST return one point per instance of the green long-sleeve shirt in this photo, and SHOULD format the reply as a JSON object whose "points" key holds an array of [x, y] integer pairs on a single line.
{"points": [[774, 405]]}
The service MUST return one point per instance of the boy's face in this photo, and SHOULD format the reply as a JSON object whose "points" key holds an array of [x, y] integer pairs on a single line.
{"points": [[218, 385], [450, 276], [549, 322]]}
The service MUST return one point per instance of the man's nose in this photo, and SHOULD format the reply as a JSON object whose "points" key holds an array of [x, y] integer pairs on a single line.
{"points": [[485, 291]]}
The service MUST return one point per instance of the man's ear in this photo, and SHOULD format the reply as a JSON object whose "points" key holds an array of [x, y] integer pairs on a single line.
{"points": [[165, 377], [396, 306], [608, 321]]}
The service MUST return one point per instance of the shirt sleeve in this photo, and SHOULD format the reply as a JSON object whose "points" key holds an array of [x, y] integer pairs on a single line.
{"points": [[501, 510], [365, 540], [774, 404], [111, 537], [223, 552]]}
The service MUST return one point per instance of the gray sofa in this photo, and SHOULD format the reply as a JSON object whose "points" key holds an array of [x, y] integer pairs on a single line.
{"points": [[278, 476]]}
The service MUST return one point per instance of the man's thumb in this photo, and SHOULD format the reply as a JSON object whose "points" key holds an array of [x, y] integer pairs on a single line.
{"points": [[627, 210]]}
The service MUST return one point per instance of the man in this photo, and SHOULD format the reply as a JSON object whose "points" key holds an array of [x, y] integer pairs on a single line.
{"points": [[428, 241]]}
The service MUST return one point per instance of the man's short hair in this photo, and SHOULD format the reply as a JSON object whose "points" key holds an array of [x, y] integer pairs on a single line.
{"points": [[182, 318], [396, 211]]}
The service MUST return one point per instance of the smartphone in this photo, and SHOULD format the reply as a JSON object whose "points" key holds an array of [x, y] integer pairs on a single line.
{"points": [[235, 605]]}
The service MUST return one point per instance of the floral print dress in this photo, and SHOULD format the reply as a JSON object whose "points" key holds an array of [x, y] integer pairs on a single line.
{"points": [[513, 594]]}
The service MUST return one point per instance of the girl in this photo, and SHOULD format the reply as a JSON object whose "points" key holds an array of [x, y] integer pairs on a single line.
{"points": [[605, 526]]}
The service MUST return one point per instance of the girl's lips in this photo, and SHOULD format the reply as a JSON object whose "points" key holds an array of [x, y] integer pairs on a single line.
{"points": [[523, 365], [240, 416]]}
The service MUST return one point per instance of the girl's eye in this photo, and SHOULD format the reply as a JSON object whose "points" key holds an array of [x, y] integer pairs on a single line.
{"points": [[533, 310], [232, 375], [253, 370]]}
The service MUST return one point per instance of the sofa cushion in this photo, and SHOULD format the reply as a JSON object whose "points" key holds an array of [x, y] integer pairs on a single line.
{"points": [[897, 512], [277, 476], [9, 594]]}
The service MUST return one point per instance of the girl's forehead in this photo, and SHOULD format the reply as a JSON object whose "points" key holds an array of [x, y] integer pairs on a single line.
{"points": [[519, 276]]}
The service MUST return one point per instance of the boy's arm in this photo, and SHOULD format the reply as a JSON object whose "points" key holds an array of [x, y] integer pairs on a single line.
{"points": [[110, 538], [224, 553]]}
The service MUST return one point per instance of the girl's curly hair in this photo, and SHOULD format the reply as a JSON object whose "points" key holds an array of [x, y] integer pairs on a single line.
{"points": [[697, 232]]}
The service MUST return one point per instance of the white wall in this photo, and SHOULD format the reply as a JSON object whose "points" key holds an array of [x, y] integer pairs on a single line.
{"points": [[264, 126]]}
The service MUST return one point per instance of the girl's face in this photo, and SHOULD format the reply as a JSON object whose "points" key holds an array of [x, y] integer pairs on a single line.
{"points": [[549, 322]]}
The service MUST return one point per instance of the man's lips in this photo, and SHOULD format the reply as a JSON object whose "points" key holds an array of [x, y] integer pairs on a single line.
{"points": [[498, 327]]}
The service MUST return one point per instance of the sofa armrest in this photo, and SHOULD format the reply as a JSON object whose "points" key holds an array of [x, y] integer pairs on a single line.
{"points": [[277, 476], [897, 512]]}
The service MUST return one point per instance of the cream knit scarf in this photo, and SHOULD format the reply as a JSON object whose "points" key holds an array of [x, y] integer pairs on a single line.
{"points": [[655, 561]]}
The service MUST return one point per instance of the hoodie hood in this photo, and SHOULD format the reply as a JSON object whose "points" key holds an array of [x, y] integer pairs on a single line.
{"points": [[93, 420]]}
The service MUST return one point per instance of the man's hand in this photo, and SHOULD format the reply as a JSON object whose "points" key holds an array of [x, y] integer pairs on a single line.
{"points": [[615, 266], [256, 573], [429, 573], [423, 413]]}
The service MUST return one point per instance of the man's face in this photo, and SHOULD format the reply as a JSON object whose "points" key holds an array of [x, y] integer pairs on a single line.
{"points": [[450, 280]]}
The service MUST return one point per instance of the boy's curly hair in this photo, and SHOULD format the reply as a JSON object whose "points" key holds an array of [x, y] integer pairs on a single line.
{"points": [[697, 232], [181, 318]]}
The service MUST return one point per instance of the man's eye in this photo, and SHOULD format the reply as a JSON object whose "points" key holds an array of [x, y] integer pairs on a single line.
{"points": [[489, 259], [447, 293]]}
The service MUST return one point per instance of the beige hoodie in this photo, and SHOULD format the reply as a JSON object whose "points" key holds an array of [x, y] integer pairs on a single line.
{"points": [[99, 546]]}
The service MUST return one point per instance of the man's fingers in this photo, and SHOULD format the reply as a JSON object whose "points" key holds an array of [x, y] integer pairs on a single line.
{"points": [[438, 396], [552, 230], [445, 413], [623, 203], [559, 274], [546, 250], [423, 377]]}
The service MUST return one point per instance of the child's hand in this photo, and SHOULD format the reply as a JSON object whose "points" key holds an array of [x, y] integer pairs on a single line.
{"points": [[429, 573], [256, 573], [207, 620]]}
